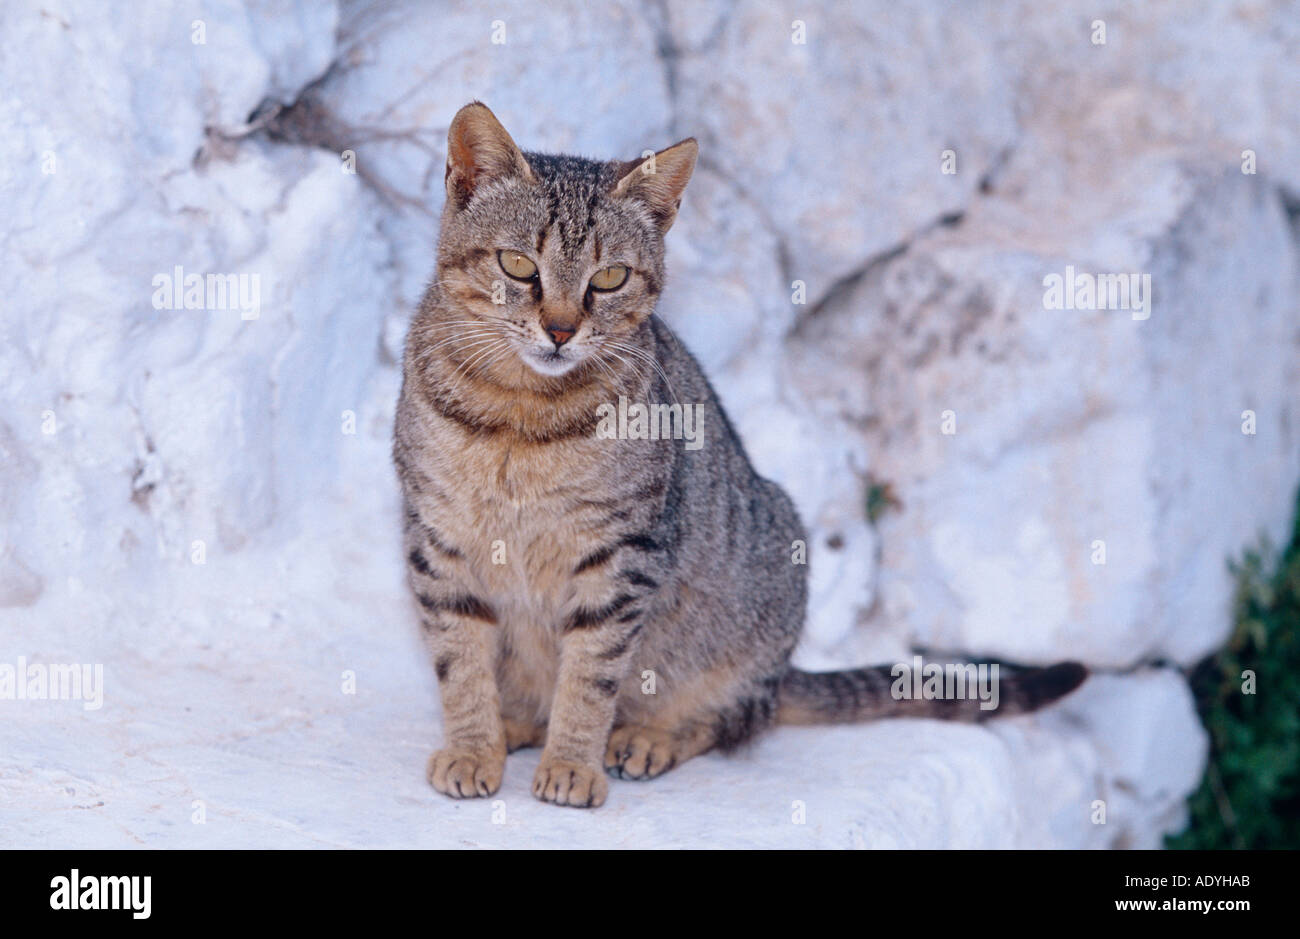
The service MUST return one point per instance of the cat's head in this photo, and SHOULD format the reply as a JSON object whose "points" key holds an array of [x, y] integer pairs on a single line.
{"points": [[558, 258]]}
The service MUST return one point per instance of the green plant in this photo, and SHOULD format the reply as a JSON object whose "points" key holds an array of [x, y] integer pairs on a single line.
{"points": [[880, 499], [1250, 796]]}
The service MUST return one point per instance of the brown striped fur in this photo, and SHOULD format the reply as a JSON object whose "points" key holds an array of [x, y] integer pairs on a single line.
{"points": [[625, 603]]}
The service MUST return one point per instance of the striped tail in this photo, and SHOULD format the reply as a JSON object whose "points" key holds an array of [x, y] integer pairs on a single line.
{"points": [[863, 694]]}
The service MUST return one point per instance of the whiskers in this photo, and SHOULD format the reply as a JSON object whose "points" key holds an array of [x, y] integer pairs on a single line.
{"points": [[472, 344], [639, 361], [468, 347], [463, 329], [480, 354]]}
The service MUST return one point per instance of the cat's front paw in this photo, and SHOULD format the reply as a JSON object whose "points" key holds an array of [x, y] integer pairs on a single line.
{"points": [[465, 774], [567, 783]]}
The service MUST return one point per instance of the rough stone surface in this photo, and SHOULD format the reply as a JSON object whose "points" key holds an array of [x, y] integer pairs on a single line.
{"points": [[182, 500]]}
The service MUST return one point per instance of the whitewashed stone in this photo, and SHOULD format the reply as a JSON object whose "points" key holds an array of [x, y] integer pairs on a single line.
{"points": [[182, 435]]}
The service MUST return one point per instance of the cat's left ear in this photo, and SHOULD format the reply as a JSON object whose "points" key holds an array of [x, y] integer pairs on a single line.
{"points": [[659, 180]]}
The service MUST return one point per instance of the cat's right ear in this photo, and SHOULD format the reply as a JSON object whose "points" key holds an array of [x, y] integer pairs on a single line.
{"points": [[479, 150]]}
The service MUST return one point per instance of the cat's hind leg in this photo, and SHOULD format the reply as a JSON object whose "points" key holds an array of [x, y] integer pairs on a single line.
{"points": [[639, 752]]}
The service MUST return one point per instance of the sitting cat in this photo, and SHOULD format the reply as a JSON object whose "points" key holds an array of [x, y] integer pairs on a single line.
{"points": [[626, 602]]}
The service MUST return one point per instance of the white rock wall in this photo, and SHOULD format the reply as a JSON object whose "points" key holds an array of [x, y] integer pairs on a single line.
{"points": [[128, 433]]}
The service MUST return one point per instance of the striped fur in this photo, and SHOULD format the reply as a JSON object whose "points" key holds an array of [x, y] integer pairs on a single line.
{"points": [[626, 603]]}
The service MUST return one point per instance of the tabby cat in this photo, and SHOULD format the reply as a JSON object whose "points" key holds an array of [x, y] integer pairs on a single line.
{"points": [[624, 603]]}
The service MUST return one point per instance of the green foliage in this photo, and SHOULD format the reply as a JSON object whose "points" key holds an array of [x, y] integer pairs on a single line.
{"points": [[1250, 796], [880, 499]]}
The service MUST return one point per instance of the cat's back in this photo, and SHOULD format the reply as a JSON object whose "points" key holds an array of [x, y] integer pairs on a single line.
{"points": [[743, 534]]}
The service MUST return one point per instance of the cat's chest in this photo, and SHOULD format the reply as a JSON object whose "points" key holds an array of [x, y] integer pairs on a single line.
{"points": [[519, 483], [526, 515]]}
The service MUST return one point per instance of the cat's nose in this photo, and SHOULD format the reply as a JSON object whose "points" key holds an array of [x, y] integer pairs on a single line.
{"points": [[560, 333]]}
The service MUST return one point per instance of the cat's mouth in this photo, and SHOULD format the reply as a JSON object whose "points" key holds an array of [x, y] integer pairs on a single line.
{"points": [[551, 362]]}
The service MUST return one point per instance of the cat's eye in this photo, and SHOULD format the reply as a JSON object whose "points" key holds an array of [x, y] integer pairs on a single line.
{"points": [[516, 265], [611, 278]]}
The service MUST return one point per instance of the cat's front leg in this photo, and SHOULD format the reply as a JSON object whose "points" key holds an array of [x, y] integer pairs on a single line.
{"points": [[463, 635], [473, 757], [595, 656]]}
